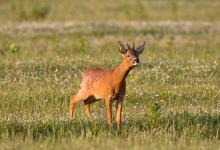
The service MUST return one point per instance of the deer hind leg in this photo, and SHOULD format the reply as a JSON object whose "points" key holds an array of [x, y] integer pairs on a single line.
{"points": [[87, 104], [71, 106], [87, 110], [74, 99]]}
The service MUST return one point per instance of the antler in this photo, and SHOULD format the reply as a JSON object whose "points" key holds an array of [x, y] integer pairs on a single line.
{"points": [[128, 46], [133, 45]]}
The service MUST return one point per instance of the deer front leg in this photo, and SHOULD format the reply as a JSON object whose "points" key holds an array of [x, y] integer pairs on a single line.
{"points": [[109, 110], [118, 111]]}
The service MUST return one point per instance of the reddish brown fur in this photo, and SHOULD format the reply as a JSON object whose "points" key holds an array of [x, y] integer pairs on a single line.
{"points": [[108, 84]]}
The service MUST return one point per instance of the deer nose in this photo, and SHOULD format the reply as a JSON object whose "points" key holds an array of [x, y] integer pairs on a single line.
{"points": [[136, 60]]}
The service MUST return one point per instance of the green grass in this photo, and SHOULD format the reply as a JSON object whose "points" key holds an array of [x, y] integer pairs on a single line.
{"points": [[172, 100], [179, 71]]}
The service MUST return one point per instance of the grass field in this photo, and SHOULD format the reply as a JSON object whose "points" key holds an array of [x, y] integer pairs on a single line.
{"points": [[172, 99]]}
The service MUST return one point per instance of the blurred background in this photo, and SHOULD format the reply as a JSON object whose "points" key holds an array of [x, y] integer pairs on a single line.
{"points": [[85, 25], [97, 10]]}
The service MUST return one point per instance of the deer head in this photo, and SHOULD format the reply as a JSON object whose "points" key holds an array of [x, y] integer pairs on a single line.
{"points": [[131, 54]]}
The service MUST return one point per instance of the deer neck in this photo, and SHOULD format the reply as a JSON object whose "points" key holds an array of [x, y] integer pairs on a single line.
{"points": [[121, 71]]}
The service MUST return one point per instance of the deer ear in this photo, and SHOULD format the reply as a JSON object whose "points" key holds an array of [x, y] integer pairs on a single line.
{"points": [[122, 48], [140, 49]]}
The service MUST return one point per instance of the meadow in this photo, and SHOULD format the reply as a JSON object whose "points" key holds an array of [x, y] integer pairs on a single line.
{"points": [[172, 100]]}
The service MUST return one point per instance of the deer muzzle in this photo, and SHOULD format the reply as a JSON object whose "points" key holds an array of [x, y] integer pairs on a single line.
{"points": [[136, 61]]}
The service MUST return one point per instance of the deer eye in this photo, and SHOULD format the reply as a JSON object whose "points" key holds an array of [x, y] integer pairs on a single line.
{"points": [[128, 56]]}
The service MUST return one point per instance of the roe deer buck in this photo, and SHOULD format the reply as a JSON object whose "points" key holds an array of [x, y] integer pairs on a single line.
{"points": [[108, 84]]}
